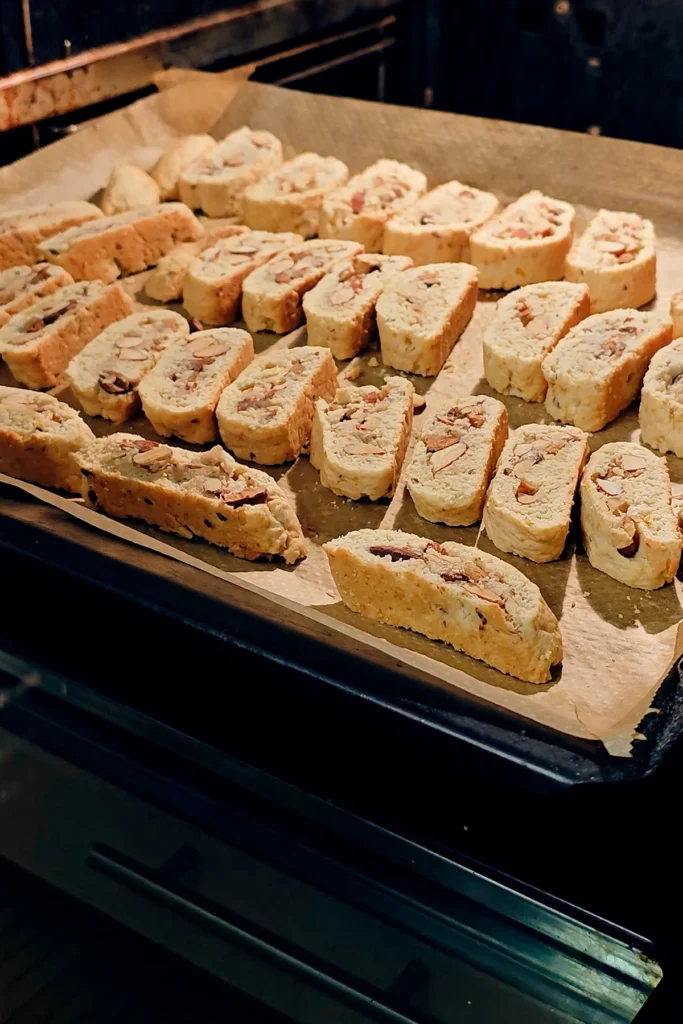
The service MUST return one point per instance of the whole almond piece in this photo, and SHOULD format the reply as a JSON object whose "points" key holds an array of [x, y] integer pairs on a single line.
{"points": [[442, 459], [632, 463]]}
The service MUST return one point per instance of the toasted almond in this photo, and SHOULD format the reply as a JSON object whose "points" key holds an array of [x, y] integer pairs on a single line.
{"points": [[523, 467], [282, 264], [524, 487], [615, 248], [435, 442], [612, 485], [419, 403], [133, 355], [527, 499], [633, 463], [153, 455], [129, 341], [210, 349], [523, 449], [442, 459], [617, 505], [478, 590], [233, 161], [626, 257], [341, 295], [363, 449], [213, 485], [284, 277]]}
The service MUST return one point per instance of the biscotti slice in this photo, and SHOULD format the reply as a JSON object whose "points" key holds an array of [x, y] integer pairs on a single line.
{"points": [[421, 314], [105, 375], [20, 287], [129, 187], [38, 343], [676, 313], [526, 243], [661, 401], [340, 310], [39, 437], [21, 231], [526, 326], [289, 199], [179, 396], [266, 415], [629, 527], [529, 504], [360, 438], [596, 370], [360, 209], [272, 295], [194, 494], [124, 244], [437, 228], [175, 158], [166, 281], [217, 181], [471, 600], [615, 257], [454, 459], [212, 290]]}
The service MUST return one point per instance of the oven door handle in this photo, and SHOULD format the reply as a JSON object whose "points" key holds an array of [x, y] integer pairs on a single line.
{"points": [[155, 884]]}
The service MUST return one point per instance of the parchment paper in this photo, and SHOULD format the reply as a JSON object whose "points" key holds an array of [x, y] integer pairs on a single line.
{"points": [[619, 643]]}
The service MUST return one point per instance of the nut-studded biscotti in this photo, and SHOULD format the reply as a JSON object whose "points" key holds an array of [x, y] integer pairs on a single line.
{"points": [[289, 199], [129, 187], [629, 527], [661, 401], [360, 209], [217, 181], [179, 396], [105, 375], [437, 228], [212, 289], [124, 244], [272, 295], [615, 257], [175, 158], [526, 243], [194, 494], [340, 310], [266, 415], [166, 281], [39, 437], [20, 287], [421, 314], [454, 459], [38, 343], [21, 231], [360, 438], [526, 326], [676, 313], [529, 504], [597, 368], [451, 592]]}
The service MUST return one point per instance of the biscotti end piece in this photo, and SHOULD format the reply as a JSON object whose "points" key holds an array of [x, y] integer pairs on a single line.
{"points": [[217, 181], [615, 257], [524, 244], [105, 375], [39, 437], [193, 494], [676, 312], [437, 228], [272, 295], [471, 600], [179, 396], [289, 198], [129, 187], [661, 401], [175, 159], [20, 287], [596, 370], [38, 343], [22, 230], [421, 314], [629, 527], [266, 415], [454, 459], [526, 326], [340, 310], [529, 503], [360, 438]]}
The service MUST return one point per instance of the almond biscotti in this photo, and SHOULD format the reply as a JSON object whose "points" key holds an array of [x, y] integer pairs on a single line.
{"points": [[21, 231], [421, 314], [39, 437], [529, 504], [437, 228], [129, 187], [596, 370], [217, 181], [266, 415], [661, 401], [124, 244], [629, 527], [194, 494], [175, 159], [454, 459], [360, 438], [105, 375], [38, 343], [212, 289], [166, 281], [272, 295], [289, 199], [340, 310], [20, 287], [676, 313], [526, 326], [615, 257], [360, 210], [179, 396], [526, 243], [451, 592]]}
